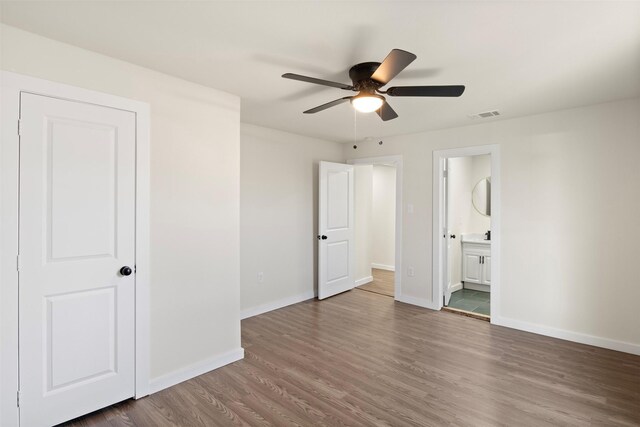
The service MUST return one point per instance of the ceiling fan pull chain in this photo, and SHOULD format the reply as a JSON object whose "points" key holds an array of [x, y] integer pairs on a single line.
{"points": [[355, 127]]}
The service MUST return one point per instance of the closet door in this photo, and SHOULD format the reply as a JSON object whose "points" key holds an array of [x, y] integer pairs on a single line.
{"points": [[77, 258], [336, 224]]}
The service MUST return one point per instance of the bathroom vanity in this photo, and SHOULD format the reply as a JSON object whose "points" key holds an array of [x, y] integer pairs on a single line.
{"points": [[476, 262]]}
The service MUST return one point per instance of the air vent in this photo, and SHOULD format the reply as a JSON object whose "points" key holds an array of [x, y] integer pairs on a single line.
{"points": [[485, 114]]}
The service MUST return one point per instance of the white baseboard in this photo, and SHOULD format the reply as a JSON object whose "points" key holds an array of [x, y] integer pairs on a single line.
{"points": [[477, 287], [383, 267], [456, 287], [181, 375], [264, 308], [420, 302], [563, 334], [363, 281]]}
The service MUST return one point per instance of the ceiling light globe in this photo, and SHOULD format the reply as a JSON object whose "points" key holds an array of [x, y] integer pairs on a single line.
{"points": [[367, 103]]}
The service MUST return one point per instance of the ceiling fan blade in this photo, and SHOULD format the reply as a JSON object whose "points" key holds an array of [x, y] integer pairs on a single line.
{"points": [[386, 112], [396, 61], [425, 90], [316, 81], [328, 105]]}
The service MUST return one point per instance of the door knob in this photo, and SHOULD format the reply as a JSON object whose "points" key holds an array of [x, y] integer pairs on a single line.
{"points": [[323, 237], [126, 270]]}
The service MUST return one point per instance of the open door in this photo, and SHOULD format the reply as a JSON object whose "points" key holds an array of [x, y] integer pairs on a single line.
{"points": [[446, 256], [336, 248]]}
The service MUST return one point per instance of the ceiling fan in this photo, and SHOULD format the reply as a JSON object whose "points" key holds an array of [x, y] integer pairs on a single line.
{"points": [[369, 77]]}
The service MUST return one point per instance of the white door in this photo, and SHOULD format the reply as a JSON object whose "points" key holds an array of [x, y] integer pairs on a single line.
{"points": [[336, 247], [448, 253], [77, 228]]}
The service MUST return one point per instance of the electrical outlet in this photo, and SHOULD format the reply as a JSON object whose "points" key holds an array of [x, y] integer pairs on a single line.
{"points": [[410, 272], [410, 208], [260, 277]]}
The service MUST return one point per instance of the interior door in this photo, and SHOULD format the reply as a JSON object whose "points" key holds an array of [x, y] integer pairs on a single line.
{"points": [[448, 253], [77, 228], [336, 247]]}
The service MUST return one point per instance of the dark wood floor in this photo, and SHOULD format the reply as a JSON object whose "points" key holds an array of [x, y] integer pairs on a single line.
{"points": [[383, 282], [361, 358]]}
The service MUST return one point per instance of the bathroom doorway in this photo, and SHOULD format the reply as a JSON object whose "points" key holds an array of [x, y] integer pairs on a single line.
{"points": [[468, 217], [465, 223]]}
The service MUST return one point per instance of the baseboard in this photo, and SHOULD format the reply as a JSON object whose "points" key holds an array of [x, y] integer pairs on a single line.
{"points": [[420, 302], [477, 287], [181, 375], [264, 308], [563, 334], [363, 281], [383, 267], [456, 287]]}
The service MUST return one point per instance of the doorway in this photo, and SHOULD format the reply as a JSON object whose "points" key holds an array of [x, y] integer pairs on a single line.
{"points": [[468, 218], [466, 226], [377, 194], [375, 200]]}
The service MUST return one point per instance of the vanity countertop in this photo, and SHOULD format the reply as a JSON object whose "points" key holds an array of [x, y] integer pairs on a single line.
{"points": [[475, 238]]}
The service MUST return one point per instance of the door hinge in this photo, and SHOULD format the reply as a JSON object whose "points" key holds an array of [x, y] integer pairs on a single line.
{"points": [[19, 127], [18, 398], [18, 263], [445, 174]]}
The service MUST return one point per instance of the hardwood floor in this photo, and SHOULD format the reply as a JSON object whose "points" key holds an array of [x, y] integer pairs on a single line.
{"points": [[360, 358], [383, 282]]}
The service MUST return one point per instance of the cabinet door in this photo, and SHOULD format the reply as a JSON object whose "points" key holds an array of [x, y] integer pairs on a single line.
{"points": [[486, 270], [471, 268]]}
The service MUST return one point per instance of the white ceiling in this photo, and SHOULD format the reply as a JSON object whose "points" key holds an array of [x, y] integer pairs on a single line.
{"points": [[519, 57]]}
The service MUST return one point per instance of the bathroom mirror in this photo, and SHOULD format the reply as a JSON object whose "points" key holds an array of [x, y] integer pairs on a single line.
{"points": [[481, 196]]}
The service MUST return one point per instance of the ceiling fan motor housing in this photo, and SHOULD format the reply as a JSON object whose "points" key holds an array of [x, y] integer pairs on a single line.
{"points": [[360, 75]]}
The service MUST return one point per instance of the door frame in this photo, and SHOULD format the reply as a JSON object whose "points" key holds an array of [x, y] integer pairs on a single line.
{"points": [[439, 158], [395, 161], [11, 87]]}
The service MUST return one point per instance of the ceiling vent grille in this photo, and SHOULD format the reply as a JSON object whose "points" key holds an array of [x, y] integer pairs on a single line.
{"points": [[485, 114]]}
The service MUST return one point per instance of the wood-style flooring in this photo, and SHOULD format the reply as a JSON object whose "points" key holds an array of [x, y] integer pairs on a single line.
{"points": [[382, 283], [363, 359]]}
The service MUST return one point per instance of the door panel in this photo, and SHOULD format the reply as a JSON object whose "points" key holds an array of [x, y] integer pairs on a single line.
{"points": [[80, 212], [77, 229], [337, 261], [336, 253], [69, 317], [337, 200]]}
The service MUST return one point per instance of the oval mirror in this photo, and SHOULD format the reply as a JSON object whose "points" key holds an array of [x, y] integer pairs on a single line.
{"points": [[481, 196]]}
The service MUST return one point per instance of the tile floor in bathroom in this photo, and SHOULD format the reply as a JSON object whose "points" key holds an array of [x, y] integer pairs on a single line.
{"points": [[473, 301]]}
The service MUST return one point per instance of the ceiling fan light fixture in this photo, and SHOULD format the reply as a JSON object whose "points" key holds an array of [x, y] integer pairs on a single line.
{"points": [[367, 102]]}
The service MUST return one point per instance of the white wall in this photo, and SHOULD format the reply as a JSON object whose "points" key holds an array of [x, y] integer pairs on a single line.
{"points": [[279, 216], [363, 189], [195, 198], [383, 217], [570, 210]]}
